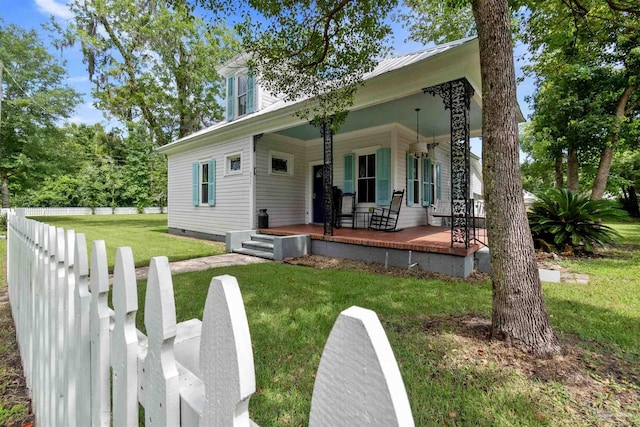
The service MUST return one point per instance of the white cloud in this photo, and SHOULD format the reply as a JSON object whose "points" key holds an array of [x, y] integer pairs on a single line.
{"points": [[55, 8], [78, 79]]}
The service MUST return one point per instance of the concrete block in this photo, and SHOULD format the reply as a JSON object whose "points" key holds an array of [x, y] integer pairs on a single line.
{"points": [[549, 275], [483, 260], [234, 239], [291, 246]]}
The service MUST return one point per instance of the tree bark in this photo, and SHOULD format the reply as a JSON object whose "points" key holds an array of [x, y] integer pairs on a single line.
{"points": [[606, 155], [5, 190], [558, 170], [572, 170], [519, 315]]}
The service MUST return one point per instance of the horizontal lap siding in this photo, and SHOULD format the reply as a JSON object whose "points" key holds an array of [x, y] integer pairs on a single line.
{"points": [[231, 211], [282, 195]]}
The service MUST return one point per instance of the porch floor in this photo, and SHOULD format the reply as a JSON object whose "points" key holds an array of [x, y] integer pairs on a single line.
{"points": [[421, 239]]}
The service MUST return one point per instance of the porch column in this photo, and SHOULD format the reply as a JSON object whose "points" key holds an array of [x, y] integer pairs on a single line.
{"points": [[327, 176], [456, 96]]}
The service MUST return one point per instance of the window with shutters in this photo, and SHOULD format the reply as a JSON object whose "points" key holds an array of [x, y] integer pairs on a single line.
{"points": [[367, 178], [414, 162]]}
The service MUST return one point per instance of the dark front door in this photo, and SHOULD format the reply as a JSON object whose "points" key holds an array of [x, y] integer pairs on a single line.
{"points": [[318, 192]]}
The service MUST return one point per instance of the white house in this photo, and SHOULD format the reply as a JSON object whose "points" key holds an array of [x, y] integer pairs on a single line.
{"points": [[264, 157]]}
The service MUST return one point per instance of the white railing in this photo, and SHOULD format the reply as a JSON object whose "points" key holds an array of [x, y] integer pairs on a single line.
{"points": [[86, 364], [80, 211]]}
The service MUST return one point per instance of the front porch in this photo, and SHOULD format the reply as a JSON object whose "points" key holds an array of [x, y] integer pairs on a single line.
{"points": [[419, 239]]}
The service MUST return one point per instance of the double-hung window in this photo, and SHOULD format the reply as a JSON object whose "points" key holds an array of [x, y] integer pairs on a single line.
{"points": [[367, 178], [242, 94], [204, 183], [415, 179]]}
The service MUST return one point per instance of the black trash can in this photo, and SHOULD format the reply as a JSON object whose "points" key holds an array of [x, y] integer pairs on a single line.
{"points": [[263, 218]]}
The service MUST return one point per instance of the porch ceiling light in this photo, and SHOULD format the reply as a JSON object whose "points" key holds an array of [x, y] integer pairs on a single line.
{"points": [[420, 149]]}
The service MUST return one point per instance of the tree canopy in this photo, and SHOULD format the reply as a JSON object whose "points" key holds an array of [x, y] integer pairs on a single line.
{"points": [[34, 100], [152, 62]]}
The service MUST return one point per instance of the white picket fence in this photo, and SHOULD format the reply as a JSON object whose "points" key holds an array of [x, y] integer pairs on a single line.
{"points": [[80, 211], [87, 365]]}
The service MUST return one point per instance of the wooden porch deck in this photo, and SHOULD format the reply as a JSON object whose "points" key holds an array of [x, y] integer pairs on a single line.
{"points": [[421, 239]]}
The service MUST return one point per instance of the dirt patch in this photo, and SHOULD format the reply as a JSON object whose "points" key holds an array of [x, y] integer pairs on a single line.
{"points": [[15, 405]]}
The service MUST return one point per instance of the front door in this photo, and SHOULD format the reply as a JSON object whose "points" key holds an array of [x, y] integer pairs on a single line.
{"points": [[318, 192]]}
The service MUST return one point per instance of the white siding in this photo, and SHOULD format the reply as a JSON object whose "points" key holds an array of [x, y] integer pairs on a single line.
{"points": [[282, 195], [476, 178], [233, 194], [265, 99]]}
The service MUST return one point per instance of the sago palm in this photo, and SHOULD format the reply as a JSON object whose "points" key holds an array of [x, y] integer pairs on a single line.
{"points": [[561, 218]]}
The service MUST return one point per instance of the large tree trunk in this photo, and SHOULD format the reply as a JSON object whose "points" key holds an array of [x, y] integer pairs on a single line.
{"points": [[5, 190], [519, 314], [572, 170], [606, 156], [558, 170]]}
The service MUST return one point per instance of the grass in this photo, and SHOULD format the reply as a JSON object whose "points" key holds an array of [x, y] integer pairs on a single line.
{"points": [[450, 381], [146, 234]]}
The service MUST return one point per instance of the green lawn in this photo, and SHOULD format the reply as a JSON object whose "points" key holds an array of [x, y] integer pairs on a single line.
{"points": [[291, 310], [146, 234]]}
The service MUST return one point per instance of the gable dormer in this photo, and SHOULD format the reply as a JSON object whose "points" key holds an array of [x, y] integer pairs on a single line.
{"points": [[243, 92]]}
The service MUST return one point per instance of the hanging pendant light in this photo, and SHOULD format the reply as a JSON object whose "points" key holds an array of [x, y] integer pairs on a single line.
{"points": [[418, 149]]}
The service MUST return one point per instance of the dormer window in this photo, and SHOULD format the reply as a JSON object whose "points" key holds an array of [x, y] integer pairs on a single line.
{"points": [[241, 94]]}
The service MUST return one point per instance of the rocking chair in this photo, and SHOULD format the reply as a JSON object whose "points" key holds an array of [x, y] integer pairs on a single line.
{"points": [[386, 219], [346, 208]]}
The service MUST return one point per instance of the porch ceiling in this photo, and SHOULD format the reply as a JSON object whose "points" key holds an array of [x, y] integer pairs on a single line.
{"points": [[434, 119]]}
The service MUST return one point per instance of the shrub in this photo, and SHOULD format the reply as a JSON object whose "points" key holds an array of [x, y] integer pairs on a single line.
{"points": [[562, 220], [3, 222]]}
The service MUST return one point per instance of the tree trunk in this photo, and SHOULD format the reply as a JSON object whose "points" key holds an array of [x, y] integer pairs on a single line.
{"points": [[606, 155], [519, 315], [631, 201], [572, 170], [559, 173], [5, 190]]}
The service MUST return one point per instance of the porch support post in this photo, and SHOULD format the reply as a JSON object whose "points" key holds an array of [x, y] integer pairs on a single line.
{"points": [[327, 176], [456, 96]]}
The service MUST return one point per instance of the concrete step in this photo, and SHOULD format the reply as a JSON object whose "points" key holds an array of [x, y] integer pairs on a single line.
{"points": [[258, 245], [252, 252], [262, 238]]}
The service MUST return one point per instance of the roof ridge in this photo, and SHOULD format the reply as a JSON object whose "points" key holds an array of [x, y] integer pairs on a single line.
{"points": [[438, 46]]}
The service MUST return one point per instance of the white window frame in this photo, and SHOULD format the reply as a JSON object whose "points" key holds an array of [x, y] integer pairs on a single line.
{"points": [[432, 187], [237, 95], [203, 186], [227, 163], [282, 156]]}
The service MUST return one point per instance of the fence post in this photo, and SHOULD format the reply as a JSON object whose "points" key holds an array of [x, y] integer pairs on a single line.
{"points": [[100, 323], [358, 380], [124, 357], [83, 340], [159, 381], [50, 301], [226, 356]]}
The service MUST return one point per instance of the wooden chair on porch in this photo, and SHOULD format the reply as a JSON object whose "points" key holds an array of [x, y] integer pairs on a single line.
{"points": [[386, 219], [346, 208]]}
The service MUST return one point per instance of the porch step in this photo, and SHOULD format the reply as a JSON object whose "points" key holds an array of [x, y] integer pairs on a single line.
{"points": [[262, 238], [260, 245], [253, 252]]}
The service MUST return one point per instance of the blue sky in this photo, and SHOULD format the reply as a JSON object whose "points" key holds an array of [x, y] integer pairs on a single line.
{"points": [[31, 14]]}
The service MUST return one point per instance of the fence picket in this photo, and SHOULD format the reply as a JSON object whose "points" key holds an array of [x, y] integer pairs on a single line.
{"points": [[83, 340], [70, 321], [100, 325], [60, 291], [159, 385], [124, 341], [226, 356], [358, 380]]}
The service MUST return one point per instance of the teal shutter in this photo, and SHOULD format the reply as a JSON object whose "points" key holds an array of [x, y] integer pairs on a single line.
{"points": [[349, 160], [383, 176], [438, 182], [230, 99], [251, 94], [426, 181], [410, 179], [195, 183], [211, 196]]}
